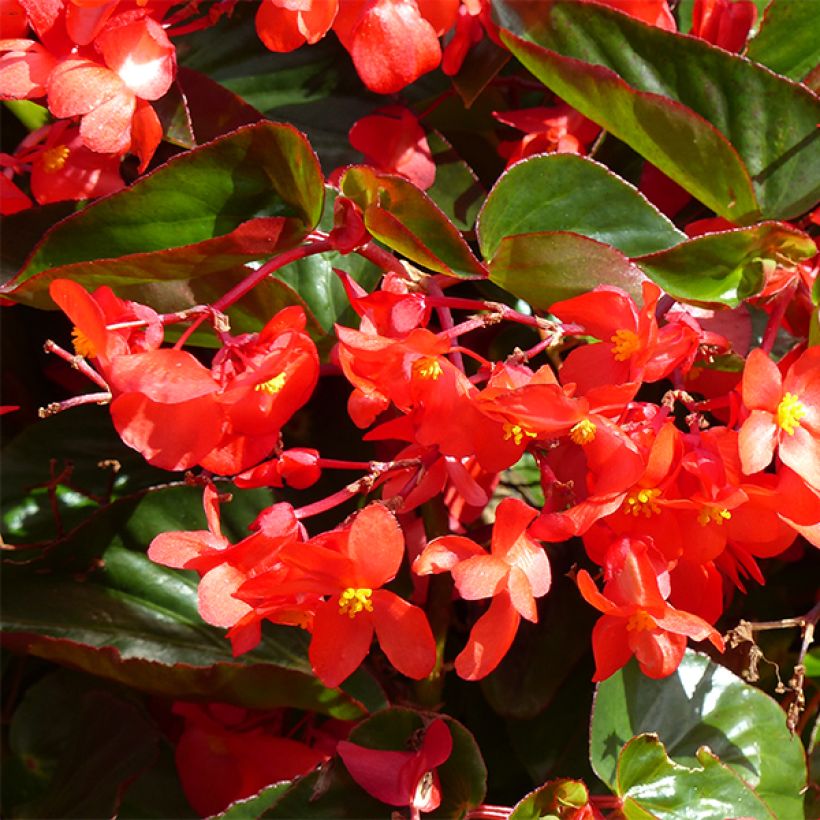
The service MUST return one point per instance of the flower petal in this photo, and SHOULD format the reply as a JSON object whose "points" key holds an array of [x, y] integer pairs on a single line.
{"points": [[404, 634], [340, 643], [490, 638]]}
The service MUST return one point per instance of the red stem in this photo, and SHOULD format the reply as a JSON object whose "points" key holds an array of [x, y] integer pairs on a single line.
{"points": [[77, 362], [250, 282]]}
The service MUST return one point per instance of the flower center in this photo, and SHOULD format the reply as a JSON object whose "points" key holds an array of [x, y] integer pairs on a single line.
{"points": [[516, 433], [640, 621], [713, 515], [353, 601], [643, 501], [624, 344], [427, 368], [83, 346], [583, 432], [273, 385], [55, 158], [789, 412]]}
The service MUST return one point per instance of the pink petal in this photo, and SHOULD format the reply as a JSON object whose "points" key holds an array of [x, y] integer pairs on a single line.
{"points": [[442, 554], [762, 383], [756, 441], [480, 577], [217, 606], [107, 129], [77, 86]]}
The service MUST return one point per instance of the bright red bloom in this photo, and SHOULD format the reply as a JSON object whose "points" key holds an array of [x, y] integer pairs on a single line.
{"points": [[632, 347], [350, 565], [392, 140], [514, 574], [393, 42], [560, 129], [401, 778], [224, 755], [654, 12], [637, 619], [785, 414], [12, 199], [724, 23], [284, 25]]}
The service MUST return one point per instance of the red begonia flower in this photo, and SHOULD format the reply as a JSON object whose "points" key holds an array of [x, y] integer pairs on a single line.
{"points": [[391, 43], [401, 778], [637, 619], [514, 574], [724, 23], [654, 12], [25, 66], [221, 759], [785, 414], [12, 199], [284, 25], [392, 140]]}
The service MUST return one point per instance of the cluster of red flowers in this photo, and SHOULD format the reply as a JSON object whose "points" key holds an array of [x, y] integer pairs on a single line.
{"points": [[668, 515], [98, 65]]}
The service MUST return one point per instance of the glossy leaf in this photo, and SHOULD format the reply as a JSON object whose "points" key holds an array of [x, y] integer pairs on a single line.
{"points": [[787, 39], [256, 805], [543, 268], [729, 266], [408, 221], [555, 799], [84, 743], [736, 136], [652, 785], [457, 190], [702, 704], [206, 211], [564, 192]]}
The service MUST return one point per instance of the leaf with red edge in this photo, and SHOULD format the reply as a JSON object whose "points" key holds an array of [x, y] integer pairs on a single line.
{"points": [[558, 798], [728, 266], [543, 268], [736, 136], [408, 221], [207, 211]]}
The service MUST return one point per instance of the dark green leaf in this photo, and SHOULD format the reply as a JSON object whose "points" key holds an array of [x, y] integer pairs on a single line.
{"points": [[86, 742], [736, 136], [254, 806], [456, 190], [543, 268], [564, 192], [702, 704], [787, 39], [556, 799], [727, 267], [205, 211], [529, 677], [483, 61], [652, 785], [408, 221]]}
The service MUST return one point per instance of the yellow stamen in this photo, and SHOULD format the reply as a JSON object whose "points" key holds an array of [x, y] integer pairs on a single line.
{"points": [[583, 432], [55, 158], [625, 343], [428, 367], [642, 501], [516, 433], [713, 515], [789, 412], [273, 385], [640, 621], [83, 346], [353, 601]]}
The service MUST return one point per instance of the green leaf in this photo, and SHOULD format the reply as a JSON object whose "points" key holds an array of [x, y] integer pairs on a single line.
{"points": [[729, 266], [564, 192], [254, 806], [702, 704], [556, 799], [30, 114], [408, 221], [543, 268], [457, 190], [812, 663], [736, 136], [787, 39], [529, 677], [206, 211], [652, 785], [86, 745]]}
